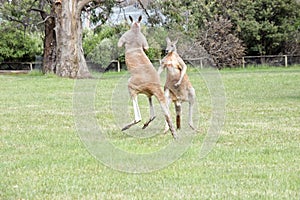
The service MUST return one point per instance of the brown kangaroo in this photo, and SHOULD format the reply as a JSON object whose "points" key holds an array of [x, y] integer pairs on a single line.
{"points": [[177, 88], [144, 78]]}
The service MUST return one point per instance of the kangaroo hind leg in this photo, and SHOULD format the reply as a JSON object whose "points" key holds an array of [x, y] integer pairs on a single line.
{"points": [[152, 113], [163, 100], [178, 114], [168, 102], [137, 114], [192, 97]]}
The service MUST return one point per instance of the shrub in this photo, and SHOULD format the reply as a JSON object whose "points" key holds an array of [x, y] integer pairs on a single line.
{"points": [[17, 45]]}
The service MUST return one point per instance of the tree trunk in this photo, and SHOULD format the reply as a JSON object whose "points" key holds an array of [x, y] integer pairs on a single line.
{"points": [[49, 43], [70, 61]]}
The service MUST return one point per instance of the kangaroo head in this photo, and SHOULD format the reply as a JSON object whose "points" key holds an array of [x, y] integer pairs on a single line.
{"points": [[171, 46], [135, 26]]}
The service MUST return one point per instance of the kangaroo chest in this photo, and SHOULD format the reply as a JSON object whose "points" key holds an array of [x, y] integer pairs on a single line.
{"points": [[173, 67]]}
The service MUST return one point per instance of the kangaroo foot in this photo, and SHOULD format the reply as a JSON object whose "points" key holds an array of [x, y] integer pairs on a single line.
{"points": [[148, 122], [130, 124], [166, 129], [192, 126], [174, 134]]}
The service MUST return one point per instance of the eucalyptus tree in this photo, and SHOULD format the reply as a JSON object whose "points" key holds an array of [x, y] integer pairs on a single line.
{"points": [[63, 53]]}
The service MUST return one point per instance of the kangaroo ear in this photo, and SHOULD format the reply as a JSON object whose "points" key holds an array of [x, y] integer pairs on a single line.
{"points": [[131, 19], [175, 42], [140, 18], [168, 40]]}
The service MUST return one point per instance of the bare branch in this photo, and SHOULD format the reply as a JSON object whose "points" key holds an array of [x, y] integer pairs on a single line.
{"points": [[82, 3], [43, 20], [143, 7], [37, 10], [16, 20], [43, 13]]}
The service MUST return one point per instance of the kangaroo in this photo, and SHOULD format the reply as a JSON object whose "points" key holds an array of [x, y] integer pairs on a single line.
{"points": [[177, 88], [144, 78]]}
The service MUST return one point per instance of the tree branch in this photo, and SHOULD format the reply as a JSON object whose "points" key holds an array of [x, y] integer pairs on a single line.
{"points": [[43, 20], [82, 3], [143, 7], [43, 13], [37, 10], [16, 20]]}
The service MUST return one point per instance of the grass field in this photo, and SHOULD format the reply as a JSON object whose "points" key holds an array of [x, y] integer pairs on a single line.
{"points": [[255, 157]]}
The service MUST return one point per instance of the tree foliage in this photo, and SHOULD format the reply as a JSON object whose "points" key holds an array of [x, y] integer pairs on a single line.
{"points": [[264, 26], [261, 26], [17, 45], [225, 48], [186, 15], [100, 45], [60, 20], [20, 40], [92, 38], [20, 13], [213, 34]]}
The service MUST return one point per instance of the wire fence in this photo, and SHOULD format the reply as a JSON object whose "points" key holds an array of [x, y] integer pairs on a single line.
{"points": [[202, 62], [271, 60], [19, 67]]}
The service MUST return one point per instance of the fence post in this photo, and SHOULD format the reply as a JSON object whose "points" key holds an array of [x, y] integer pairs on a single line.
{"points": [[118, 63], [285, 61], [243, 61], [201, 64]]}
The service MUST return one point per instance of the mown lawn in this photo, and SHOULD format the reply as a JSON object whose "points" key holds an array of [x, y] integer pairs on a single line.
{"points": [[255, 157]]}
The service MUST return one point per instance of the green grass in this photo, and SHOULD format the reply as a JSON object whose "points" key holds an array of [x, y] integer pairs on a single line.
{"points": [[256, 156]]}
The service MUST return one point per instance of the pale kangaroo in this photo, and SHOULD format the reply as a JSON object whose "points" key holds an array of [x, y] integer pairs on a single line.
{"points": [[177, 88], [144, 78]]}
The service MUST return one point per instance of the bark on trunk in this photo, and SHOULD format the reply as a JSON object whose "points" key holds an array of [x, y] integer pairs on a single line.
{"points": [[49, 43], [70, 61]]}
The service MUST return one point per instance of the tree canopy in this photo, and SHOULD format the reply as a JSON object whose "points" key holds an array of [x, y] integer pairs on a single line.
{"points": [[259, 27], [17, 45], [61, 23], [265, 26]]}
